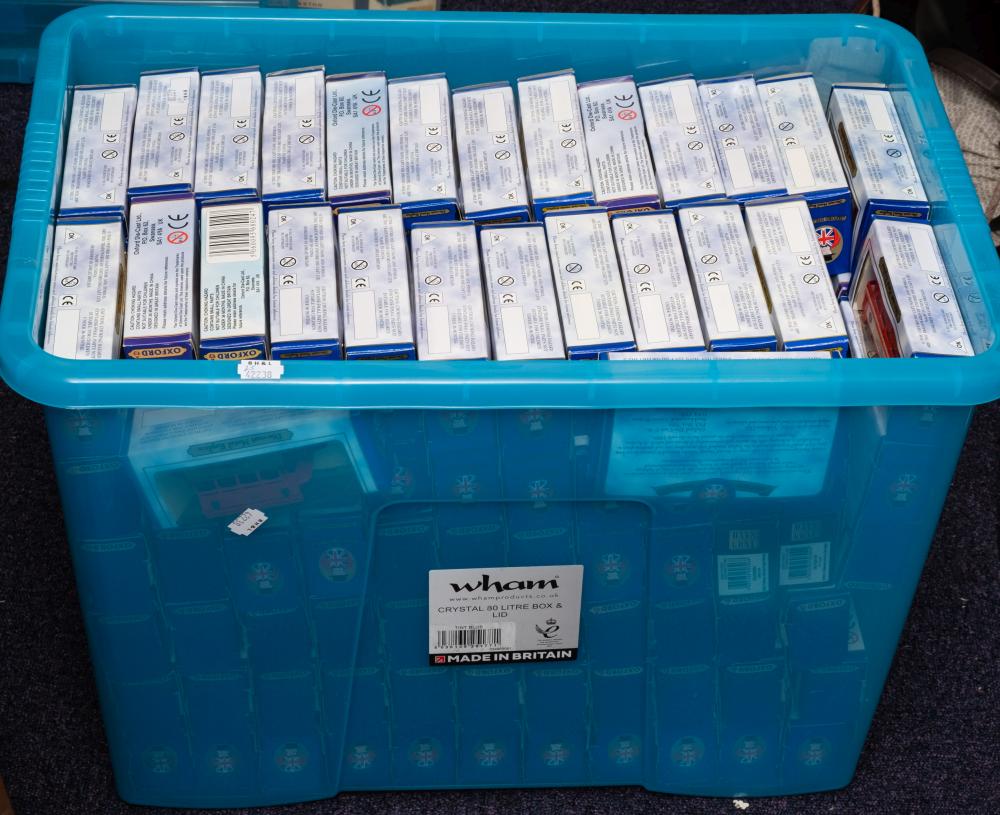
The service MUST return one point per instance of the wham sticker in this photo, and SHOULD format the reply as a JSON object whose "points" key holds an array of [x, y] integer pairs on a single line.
{"points": [[516, 614]]}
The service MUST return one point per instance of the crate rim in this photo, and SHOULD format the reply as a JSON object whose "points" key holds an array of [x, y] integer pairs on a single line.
{"points": [[94, 384]]}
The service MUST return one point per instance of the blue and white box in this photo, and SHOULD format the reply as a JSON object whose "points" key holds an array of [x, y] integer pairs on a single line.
{"points": [[357, 139], [657, 284], [903, 296], [292, 143], [734, 309], [748, 157], [803, 306], [95, 169], [687, 169], [588, 283], [555, 146], [424, 176], [163, 141], [159, 317], [489, 154], [620, 163], [87, 260], [232, 311], [227, 164], [302, 254], [448, 292], [876, 157], [858, 350], [375, 283], [520, 293], [810, 163]]}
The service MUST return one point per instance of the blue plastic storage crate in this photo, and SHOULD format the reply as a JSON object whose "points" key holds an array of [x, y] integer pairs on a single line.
{"points": [[751, 531]]}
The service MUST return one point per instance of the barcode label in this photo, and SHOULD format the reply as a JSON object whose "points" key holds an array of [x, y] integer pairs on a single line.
{"points": [[804, 563], [742, 574], [472, 637], [232, 233]]}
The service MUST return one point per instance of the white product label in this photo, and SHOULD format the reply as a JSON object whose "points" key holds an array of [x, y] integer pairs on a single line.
{"points": [[97, 150], [509, 614], [742, 136], [163, 145], [159, 294], [855, 640], [229, 123], [742, 574], [232, 234], [489, 153], [357, 138], [232, 278], [803, 563], [554, 142], [679, 141], [423, 165], [247, 522], [292, 141], [260, 369], [620, 163]]}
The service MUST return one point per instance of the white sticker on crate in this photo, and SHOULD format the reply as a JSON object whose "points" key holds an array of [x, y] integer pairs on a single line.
{"points": [[260, 369], [247, 522], [804, 563], [743, 574], [509, 614]]}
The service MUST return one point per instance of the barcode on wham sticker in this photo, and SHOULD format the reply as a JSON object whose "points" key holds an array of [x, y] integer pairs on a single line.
{"points": [[499, 637], [232, 233], [742, 574], [803, 563]]}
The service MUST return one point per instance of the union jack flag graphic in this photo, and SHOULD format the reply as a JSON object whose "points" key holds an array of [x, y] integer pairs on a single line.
{"points": [[830, 242]]}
